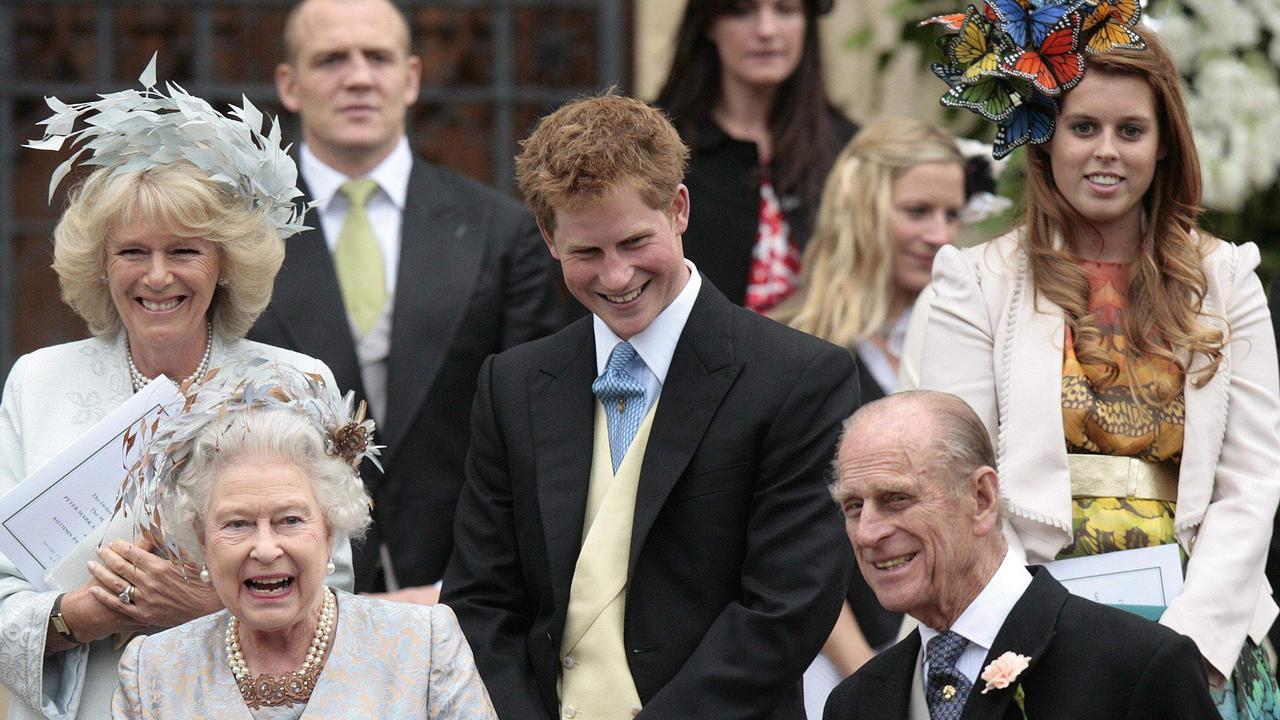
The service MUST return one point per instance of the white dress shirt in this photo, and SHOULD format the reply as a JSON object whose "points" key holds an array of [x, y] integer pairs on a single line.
{"points": [[982, 620], [878, 364], [385, 209], [385, 206], [656, 344]]}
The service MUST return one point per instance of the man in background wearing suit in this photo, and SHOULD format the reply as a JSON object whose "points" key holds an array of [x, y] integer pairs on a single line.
{"points": [[643, 529], [410, 277], [915, 478]]}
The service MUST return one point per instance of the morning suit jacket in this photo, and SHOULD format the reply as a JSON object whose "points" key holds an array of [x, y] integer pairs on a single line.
{"points": [[472, 280], [1087, 661], [738, 560]]}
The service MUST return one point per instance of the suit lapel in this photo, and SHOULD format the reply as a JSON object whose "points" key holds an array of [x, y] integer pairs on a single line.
{"points": [[888, 681], [309, 304], [440, 254], [1027, 630], [563, 415], [702, 371]]}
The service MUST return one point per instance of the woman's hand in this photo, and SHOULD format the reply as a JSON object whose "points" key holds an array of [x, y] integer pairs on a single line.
{"points": [[88, 620], [162, 596]]}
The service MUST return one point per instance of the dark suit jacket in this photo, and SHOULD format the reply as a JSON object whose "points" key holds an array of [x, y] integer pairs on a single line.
{"points": [[1087, 661], [473, 280], [738, 558], [879, 626]]}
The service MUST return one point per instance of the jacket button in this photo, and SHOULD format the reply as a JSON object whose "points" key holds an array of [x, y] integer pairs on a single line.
{"points": [[568, 662], [570, 712]]}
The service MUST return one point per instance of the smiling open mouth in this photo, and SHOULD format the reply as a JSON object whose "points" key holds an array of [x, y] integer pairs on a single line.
{"points": [[1103, 179], [269, 587], [620, 299], [163, 306], [895, 562]]}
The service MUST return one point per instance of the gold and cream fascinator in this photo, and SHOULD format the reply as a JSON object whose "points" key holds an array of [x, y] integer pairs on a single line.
{"points": [[149, 489]]}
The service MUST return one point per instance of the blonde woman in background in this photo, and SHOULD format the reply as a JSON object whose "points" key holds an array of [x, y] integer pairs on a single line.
{"points": [[892, 200]]}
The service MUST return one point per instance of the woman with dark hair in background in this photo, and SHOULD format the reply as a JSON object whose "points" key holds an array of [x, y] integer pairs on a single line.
{"points": [[745, 91]]}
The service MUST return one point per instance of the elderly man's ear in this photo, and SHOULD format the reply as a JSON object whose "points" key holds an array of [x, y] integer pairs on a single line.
{"points": [[984, 488]]}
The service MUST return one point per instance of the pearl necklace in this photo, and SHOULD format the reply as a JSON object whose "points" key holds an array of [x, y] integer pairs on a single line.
{"points": [[140, 381], [291, 688]]}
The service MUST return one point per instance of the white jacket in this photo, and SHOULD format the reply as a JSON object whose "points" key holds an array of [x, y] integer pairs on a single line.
{"points": [[991, 341]]}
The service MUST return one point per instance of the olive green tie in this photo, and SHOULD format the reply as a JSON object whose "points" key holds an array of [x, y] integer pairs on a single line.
{"points": [[358, 259]]}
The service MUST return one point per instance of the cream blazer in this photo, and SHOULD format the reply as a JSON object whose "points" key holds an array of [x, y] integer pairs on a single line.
{"points": [[990, 341]]}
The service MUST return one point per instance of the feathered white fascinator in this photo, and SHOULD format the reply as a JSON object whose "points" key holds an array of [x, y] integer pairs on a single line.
{"points": [[149, 490], [134, 130]]}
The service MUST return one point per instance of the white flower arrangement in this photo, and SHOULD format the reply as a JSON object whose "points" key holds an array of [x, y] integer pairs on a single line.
{"points": [[133, 130], [1233, 90]]}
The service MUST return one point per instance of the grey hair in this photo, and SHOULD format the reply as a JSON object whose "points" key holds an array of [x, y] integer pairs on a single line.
{"points": [[181, 199], [267, 433], [960, 443]]}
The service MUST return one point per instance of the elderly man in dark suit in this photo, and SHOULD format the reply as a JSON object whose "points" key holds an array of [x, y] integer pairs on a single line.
{"points": [[411, 276], [643, 529], [915, 478]]}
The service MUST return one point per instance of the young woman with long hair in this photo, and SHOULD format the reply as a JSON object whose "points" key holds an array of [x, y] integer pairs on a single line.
{"points": [[746, 92], [1124, 362]]}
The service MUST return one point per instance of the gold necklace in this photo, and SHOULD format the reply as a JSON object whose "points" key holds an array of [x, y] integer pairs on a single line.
{"points": [[291, 688]]}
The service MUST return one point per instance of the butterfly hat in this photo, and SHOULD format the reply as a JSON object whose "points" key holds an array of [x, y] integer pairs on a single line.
{"points": [[1012, 60]]}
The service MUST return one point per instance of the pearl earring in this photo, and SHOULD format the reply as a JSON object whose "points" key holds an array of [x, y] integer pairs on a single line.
{"points": [[331, 568], [204, 573], [222, 282]]}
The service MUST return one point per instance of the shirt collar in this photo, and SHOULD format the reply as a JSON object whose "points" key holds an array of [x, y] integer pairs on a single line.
{"points": [[982, 620], [392, 175], [655, 344]]}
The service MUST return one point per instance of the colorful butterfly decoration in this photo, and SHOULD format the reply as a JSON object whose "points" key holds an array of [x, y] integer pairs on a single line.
{"points": [[1032, 122], [976, 47], [1109, 26], [1055, 65], [1010, 60], [1028, 25]]}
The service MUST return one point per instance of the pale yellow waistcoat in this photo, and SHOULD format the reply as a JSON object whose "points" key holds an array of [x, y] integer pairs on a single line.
{"points": [[595, 680]]}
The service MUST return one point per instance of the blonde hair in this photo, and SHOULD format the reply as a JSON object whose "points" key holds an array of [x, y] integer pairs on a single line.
{"points": [[587, 148], [177, 198], [847, 271], [1168, 284]]}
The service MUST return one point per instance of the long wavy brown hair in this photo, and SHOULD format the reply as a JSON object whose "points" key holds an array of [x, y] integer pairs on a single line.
{"points": [[1168, 285]]}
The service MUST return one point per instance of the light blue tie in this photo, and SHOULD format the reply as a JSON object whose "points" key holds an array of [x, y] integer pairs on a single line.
{"points": [[947, 688], [623, 400]]}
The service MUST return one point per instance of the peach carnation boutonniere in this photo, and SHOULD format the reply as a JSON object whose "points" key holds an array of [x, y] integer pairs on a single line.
{"points": [[1002, 672]]}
